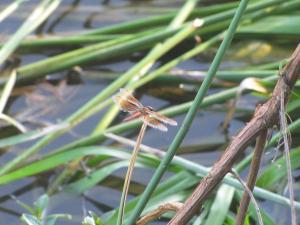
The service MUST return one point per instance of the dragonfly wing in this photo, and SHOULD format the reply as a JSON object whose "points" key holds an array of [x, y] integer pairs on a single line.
{"points": [[132, 116], [154, 123], [127, 102], [163, 118], [129, 97]]}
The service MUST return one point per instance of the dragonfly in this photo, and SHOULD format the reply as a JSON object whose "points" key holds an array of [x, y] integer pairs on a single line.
{"points": [[130, 104]]}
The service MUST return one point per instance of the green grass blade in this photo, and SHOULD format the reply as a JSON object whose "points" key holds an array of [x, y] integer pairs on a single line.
{"points": [[277, 170], [30, 135], [221, 205], [84, 184], [56, 160], [13, 122]]}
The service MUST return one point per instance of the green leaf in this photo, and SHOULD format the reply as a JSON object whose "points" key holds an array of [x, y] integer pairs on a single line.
{"points": [[7, 90], [59, 159], [93, 219], [273, 25], [30, 135], [94, 178], [30, 219], [220, 207], [41, 205], [277, 170]]}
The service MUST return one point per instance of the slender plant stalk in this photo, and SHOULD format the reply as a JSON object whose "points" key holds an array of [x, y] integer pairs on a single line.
{"points": [[50, 41], [284, 132], [3, 100], [161, 19], [7, 90], [9, 9], [13, 122], [126, 184], [190, 115], [253, 171], [248, 192], [161, 209]]}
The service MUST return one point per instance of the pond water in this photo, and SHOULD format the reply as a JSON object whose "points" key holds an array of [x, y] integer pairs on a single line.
{"points": [[203, 144]]}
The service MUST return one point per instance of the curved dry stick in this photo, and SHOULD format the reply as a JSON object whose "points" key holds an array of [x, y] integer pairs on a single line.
{"points": [[265, 117], [169, 206], [250, 195]]}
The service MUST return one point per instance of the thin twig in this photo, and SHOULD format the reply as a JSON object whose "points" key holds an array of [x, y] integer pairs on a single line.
{"points": [[253, 171], [166, 207], [129, 174], [249, 192], [283, 129]]}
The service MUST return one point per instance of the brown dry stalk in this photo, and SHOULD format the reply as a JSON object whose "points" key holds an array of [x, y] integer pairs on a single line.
{"points": [[251, 196], [129, 172], [166, 207], [253, 171], [265, 117]]}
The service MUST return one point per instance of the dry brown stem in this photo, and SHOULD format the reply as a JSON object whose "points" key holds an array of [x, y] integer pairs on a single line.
{"points": [[253, 171], [251, 196], [265, 117], [169, 206]]}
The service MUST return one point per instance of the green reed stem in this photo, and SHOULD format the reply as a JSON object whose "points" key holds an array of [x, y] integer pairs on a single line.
{"points": [[190, 115], [9, 9], [143, 23]]}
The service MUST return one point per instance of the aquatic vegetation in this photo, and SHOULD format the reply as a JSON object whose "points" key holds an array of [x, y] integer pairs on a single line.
{"points": [[207, 65]]}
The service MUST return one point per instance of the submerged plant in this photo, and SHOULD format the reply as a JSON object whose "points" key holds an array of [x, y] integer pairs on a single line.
{"points": [[130, 104]]}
